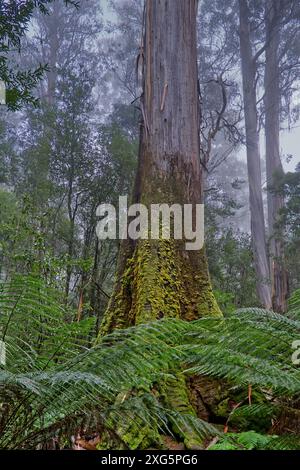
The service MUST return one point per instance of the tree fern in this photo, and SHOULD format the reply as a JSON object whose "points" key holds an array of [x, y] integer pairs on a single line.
{"points": [[53, 383], [294, 305], [252, 440]]}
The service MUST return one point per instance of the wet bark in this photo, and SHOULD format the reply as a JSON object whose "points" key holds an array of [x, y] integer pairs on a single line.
{"points": [[275, 200], [253, 160], [158, 278]]}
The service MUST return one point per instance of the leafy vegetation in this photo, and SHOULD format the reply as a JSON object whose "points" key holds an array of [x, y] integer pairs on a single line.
{"points": [[57, 384], [69, 141]]}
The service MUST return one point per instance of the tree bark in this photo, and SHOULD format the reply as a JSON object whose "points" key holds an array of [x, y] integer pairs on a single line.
{"points": [[275, 200], [253, 159], [159, 278]]}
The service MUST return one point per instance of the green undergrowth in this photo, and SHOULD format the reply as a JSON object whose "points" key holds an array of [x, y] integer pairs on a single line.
{"points": [[130, 387]]}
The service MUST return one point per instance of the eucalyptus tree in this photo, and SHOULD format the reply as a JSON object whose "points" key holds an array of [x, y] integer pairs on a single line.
{"points": [[249, 77], [282, 35], [65, 39], [271, 26], [217, 88], [159, 278], [169, 171]]}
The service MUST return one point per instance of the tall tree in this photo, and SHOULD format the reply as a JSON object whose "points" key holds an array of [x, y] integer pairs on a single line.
{"points": [[280, 84], [64, 40], [159, 278], [248, 62], [272, 99], [15, 20]]}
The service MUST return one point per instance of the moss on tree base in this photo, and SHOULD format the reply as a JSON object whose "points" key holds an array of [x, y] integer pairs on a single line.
{"points": [[158, 281]]}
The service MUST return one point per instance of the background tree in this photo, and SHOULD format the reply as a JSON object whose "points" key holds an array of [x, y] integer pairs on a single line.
{"points": [[15, 20], [248, 67], [279, 19]]}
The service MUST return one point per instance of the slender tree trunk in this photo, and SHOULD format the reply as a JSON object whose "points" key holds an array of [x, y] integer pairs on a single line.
{"points": [[253, 159], [53, 50], [159, 278], [274, 167], [71, 236], [69, 268]]}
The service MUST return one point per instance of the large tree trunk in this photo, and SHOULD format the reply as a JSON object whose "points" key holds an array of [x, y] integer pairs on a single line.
{"points": [[253, 159], [159, 278], [274, 167]]}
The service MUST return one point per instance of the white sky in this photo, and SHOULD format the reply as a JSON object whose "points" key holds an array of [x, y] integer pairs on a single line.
{"points": [[290, 144]]}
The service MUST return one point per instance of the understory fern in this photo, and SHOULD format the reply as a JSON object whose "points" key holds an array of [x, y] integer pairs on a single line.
{"points": [[55, 383], [252, 440]]}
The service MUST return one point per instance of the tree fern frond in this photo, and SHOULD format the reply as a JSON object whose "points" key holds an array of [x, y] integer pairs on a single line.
{"points": [[53, 380], [256, 410]]}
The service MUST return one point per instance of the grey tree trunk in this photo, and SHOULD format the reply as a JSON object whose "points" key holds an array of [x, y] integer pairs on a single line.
{"points": [[279, 276], [253, 159], [49, 25], [54, 45]]}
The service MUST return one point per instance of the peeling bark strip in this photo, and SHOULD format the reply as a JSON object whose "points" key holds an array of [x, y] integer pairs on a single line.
{"points": [[253, 160], [164, 97], [158, 278]]}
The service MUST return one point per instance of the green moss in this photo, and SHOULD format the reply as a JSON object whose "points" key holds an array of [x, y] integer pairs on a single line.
{"points": [[157, 288], [175, 395], [159, 281], [130, 433], [206, 302], [159, 278], [125, 427], [222, 409]]}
